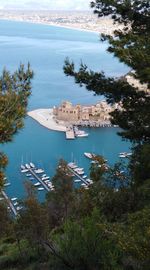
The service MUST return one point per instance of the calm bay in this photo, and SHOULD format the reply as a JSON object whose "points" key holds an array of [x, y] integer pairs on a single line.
{"points": [[46, 48]]}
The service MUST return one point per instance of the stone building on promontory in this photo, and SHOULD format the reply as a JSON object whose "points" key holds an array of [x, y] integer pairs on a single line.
{"points": [[78, 114]]}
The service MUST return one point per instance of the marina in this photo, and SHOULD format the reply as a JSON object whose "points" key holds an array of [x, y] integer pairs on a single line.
{"points": [[72, 168], [35, 173], [42, 145]]}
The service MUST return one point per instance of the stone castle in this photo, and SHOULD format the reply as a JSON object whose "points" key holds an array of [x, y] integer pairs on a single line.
{"points": [[83, 113]]}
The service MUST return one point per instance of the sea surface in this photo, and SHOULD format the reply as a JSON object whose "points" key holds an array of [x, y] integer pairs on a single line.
{"points": [[46, 48]]}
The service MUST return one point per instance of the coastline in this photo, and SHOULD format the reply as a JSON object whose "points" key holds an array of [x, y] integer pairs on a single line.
{"points": [[45, 118], [52, 24]]}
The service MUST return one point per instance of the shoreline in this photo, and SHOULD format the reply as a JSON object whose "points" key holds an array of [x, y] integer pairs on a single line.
{"points": [[52, 24], [45, 118]]}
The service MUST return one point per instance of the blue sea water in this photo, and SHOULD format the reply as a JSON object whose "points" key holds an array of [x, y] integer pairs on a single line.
{"points": [[46, 48]]}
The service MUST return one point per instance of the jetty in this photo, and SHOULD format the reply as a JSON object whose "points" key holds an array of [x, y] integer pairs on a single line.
{"points": [[35, 174], [70, 135], [79, 176], [10, 204], [39, 179]]}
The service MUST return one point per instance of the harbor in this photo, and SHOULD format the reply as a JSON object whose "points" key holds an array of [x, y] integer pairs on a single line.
{"points": [[33, 173], [79, 173], [67, 118], [42, 181], [45, 145]]}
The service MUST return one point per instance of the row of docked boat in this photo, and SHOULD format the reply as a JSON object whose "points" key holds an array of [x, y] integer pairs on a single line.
{"points": [[25, 168], [75, 168], [80, 172], [6, 184], [80, 133], [15, 203], [46, 180], [121, 155], [125, 155], [34, 173]]}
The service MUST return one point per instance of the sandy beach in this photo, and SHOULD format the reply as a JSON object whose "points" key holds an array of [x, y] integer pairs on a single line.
{"points": [[46, 118]]}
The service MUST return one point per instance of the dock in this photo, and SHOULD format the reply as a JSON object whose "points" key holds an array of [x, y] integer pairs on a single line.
{"points": [[79, 176], [70, 135], [39, 179], [10, 204]]}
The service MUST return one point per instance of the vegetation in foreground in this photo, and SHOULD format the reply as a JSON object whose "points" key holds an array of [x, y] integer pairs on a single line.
{"points": [[108, 225]]}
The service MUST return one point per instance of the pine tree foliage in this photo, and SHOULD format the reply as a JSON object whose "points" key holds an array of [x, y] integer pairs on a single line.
{"points": [[14, 92], [130, 46]]}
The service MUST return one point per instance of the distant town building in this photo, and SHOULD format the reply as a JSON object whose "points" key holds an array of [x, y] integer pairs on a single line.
{"points": [[83, 113]]}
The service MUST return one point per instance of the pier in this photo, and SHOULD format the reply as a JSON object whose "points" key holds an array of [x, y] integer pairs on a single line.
{"points": [[39, 179], [79, 176], [70, 133], [10, 204]]}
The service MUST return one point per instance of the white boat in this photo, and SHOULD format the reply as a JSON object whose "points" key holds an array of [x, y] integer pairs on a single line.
{"points": [[47, 181], [7, 184], [14, 199], [80, 172], [32, 165], [83, 185], [37, 184], [122, 155], [27, 166], [45, 178], [84, 176], [77, 180], [28, 174], [39, 171], [89, 181], [89, 155], [128, 154], [24, 171], [50, 186], [19, 208], [82, 135], [44, 175], [94, 162], [72, 165], [78, 169], [22, 167], [41, 188], [16, 203]]}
